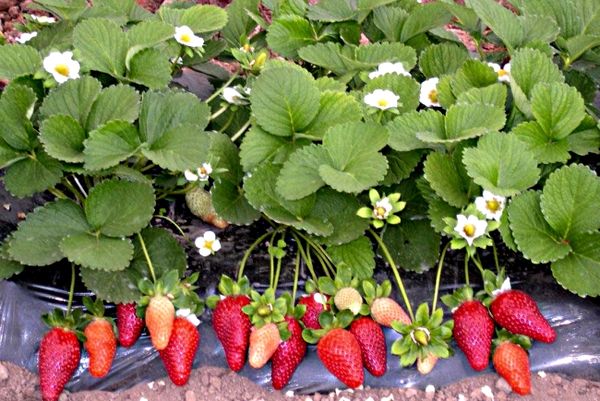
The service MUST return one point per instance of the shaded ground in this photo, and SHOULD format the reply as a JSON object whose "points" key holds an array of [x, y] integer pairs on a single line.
{"points": [[216, 384]]}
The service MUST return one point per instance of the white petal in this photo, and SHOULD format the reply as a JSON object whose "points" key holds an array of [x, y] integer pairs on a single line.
{"points": [[382, 99], [207, 167], [185, 312], [190, 176], [205, 252], [185, 36], [200, 242], [26, 37], [216, 246], [427, 87], [495, 67], [232, 96], [319, 298], [209, 236]]}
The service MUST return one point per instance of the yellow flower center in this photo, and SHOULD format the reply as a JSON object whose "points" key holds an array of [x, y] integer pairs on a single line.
{"points": [[502, 72], [62, 69], [380, 212], [185, 38], [247, 48], [208, 244], [433, 96], [492, 205], [382, 103], [203, 171], [469, 229]]}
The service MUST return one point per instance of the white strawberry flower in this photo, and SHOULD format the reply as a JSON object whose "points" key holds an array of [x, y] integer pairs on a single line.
{"points": [[61, 66], [503, 72], [208, 244], [26, 37], [382, 99], [233, 96], [429, 93], [201, 174], [389, 68], [490, 205], [185, 36], [382, 208], [470, 227], [42, 19]]}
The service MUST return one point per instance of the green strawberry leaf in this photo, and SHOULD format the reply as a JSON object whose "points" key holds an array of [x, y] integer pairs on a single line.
{"points": [[289, 33], [532, 234], [300, 173], [34, 173], [63, 137], [16, 108], [445, 179], [578, 271], [557, 108], [334, 108], [117, 102], [357, 254], [74, 98], [18, 60], [544, 148], [36, 240], [231, 204], [284, 100], [102, 45], [119, 208], [339, 209], [110, 144], [97, 251], [569, 200], [442, 59], [414, 244], [405, 129], [501, 165]]}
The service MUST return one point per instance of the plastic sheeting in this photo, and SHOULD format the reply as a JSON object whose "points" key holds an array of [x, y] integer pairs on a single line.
{"points": [[575, 352]]}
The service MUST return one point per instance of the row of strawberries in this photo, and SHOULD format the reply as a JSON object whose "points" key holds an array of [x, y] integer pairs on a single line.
{"points": [[343, 316]]}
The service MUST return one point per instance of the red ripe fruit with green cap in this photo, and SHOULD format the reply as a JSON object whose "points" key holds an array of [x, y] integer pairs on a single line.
{"points": [[232, 327], [129, 325], [371, 339], [178, 356], [473, 332], [58, 360], [341, 355], [315, 304], [288, 356], [512, 363], [517, 312]]}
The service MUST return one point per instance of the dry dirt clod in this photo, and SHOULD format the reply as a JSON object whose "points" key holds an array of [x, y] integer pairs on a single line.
{"points": [[3, 373], [190, 396], [503, 386]]}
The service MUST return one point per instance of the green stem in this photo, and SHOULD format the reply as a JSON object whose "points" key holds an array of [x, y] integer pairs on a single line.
{"points": [[321, 254], [248, 252], [306, 258], [177, 227], [148, 167], [278, 269], [71, 289], [438, 278], [296, 275], [240, 132], [218, 91], [324, 264], [495, 251], [147, 256], [219, 112], [73, 190], [58, 193], [478, 264], [271, 262], [227, 123], [392, 264]]}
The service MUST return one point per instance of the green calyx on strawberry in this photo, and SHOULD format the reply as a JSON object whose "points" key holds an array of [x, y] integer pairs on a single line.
{"points": [[167, 285], [228, 287], [264, 309], [188, 298], [96, 312], [74, 321], [344, 291], [426, 335]]}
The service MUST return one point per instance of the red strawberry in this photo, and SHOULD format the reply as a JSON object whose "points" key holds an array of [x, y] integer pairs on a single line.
{"points": [[512, 363], [288, 356], [101, 345], [372, 344], [518, 313], [473, 331], [58, 361], [232, 327], [160, 315], [340, 353], [179, 354], [129, 324], [315, 304]]}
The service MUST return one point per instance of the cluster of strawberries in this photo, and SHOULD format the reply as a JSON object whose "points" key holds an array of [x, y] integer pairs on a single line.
{"points": [[520, 319], [175, 336], [347, 330]]}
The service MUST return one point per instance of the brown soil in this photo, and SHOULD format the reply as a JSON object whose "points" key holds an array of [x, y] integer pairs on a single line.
{"points": [[216, 384]]}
